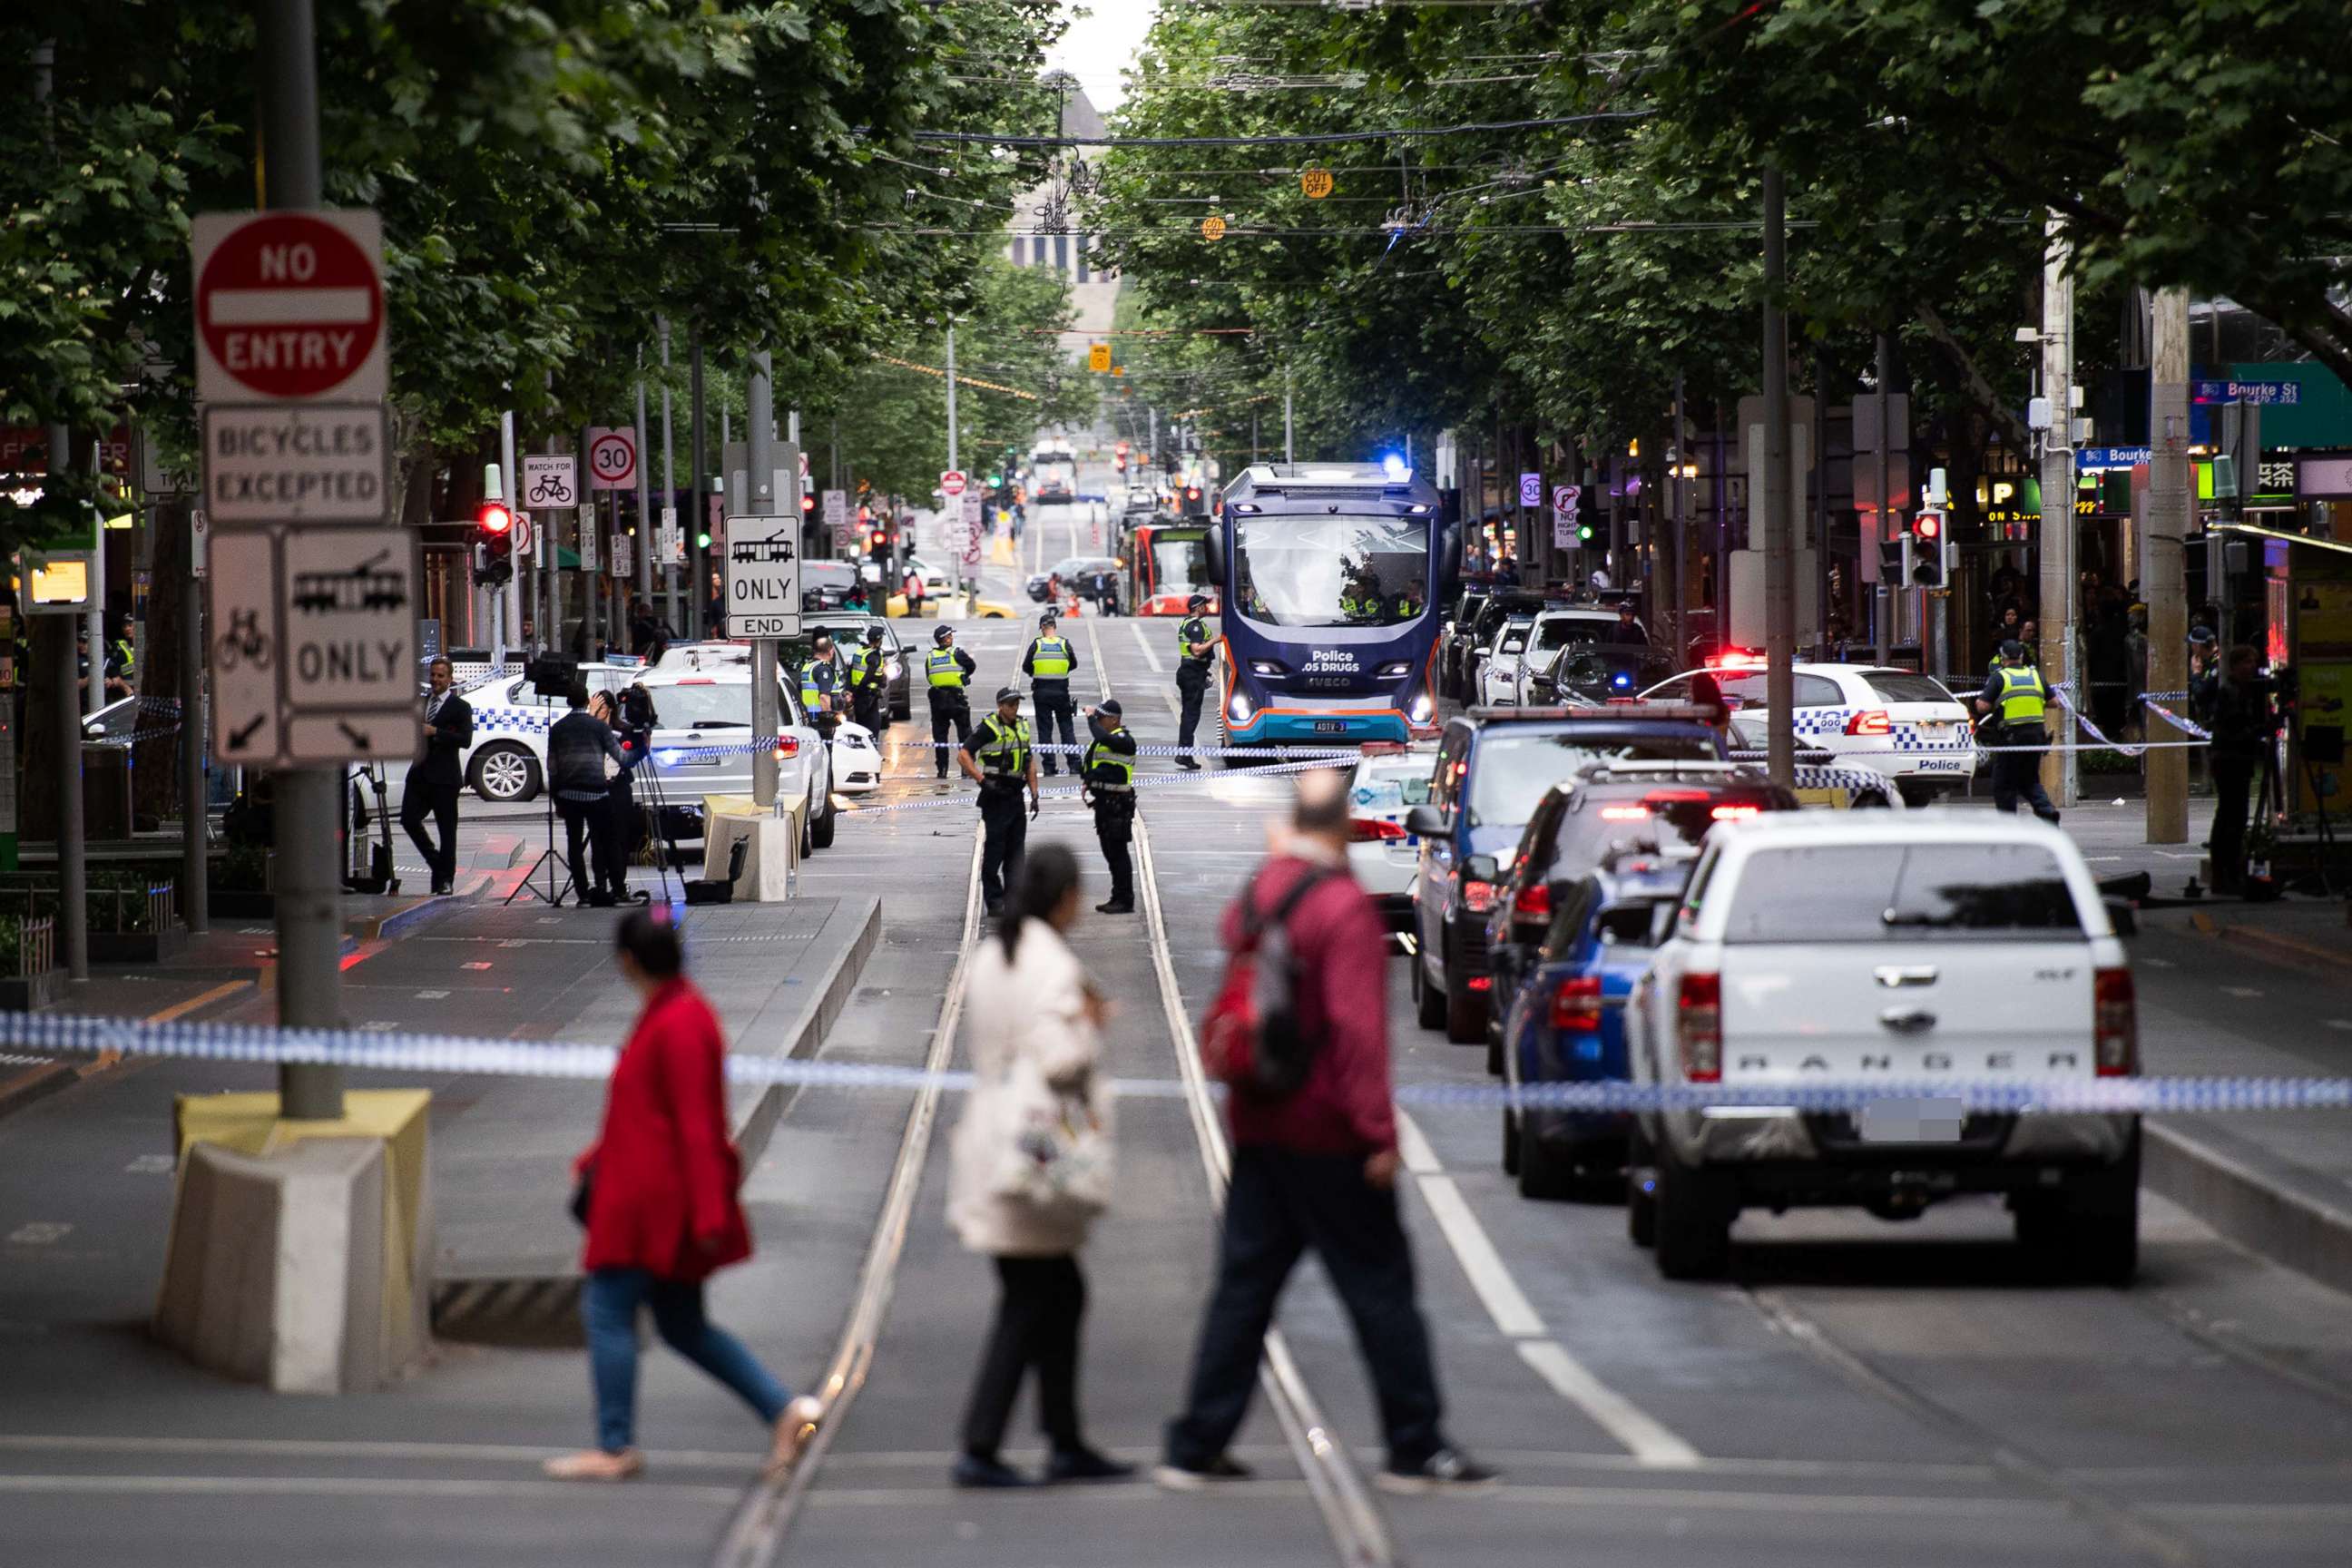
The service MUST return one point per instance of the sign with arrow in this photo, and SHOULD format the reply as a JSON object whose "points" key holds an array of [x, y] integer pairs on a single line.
{"points": [[242, 621]]}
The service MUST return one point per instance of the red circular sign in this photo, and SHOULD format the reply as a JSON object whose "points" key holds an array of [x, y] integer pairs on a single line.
{"points": [[613, 459], [951, 483], [289, 306]]}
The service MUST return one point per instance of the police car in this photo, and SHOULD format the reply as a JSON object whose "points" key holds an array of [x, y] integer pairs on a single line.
{"points": [[1898, 723], [1390, 780]]}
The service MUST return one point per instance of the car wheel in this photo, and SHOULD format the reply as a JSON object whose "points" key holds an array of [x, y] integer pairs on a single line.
{"points": [[1915, 796], [2088, 1230], [503, 773], [820, 827], [1494, 1048], [903, 709], [1543, 1175], [1694, 1220], [1428, 1000], [1641, 1189], [808, 839], [1465, 1010], [1510, 1142]]}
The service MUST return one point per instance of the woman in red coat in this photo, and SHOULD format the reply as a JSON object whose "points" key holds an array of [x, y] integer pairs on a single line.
{"points": [[662, 1215]]}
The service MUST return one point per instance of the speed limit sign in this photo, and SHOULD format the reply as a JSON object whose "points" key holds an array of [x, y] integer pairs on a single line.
{"points": [[612, 457]]}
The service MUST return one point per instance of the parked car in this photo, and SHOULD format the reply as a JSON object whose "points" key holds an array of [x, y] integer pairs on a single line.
{"points": [[1897, 723], [508, 760], [1493, 766], [857, 759], [713, 707], [1829, 947], [1074, 571], [848, 631], [1390, 780]]}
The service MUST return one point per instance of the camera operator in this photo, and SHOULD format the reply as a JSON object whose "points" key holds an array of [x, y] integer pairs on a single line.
{"points": [[633, 720], [2243, 728]]}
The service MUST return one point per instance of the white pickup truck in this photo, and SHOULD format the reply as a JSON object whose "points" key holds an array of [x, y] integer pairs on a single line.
{"points": [[1840, 948]]}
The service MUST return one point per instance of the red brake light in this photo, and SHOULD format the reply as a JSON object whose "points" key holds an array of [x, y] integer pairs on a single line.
{"points": [[1868, 722], [1576, 1005], [1624, 813], [1698, 1027], [1477, 897], [2117, 1026], [1532, 901], [1372, 830], [1736, 813], [1481, 983], [787, 748], [1673, 796]]}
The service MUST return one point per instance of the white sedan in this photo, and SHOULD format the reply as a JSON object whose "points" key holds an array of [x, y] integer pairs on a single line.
{"points": [[857, 759], [1553, 631], [1381, 855], [1898, 723], [1499, 662]]}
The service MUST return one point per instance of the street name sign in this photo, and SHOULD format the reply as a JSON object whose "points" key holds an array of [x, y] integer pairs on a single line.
{"points": [[2276, 393], [296, 462], [289, 307], [763, 577]]}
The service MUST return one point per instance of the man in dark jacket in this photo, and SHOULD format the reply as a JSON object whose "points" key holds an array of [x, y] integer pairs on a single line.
{"points": [[1317, 1168], [1109, 791], [577, 750], [434, 777], [2243, 728]]}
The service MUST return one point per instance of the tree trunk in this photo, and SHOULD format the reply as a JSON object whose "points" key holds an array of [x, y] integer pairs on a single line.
{"points": [[52, 637], [155, 772]]}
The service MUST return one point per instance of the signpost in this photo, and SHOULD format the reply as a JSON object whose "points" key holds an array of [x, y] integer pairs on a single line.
{"points": [[1531, 490], [951, 483], [971, 531], [347, 678], [289, 307], [763, 577], [550, 480], [612, 457], [296, 462], [1564, 501]]}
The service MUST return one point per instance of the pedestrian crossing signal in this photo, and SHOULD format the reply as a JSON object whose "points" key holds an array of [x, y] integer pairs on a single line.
{"points": [[494, 543]]}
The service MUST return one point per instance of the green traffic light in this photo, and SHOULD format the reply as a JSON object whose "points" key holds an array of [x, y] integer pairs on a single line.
{"points": [[1583, 533], [702, 541], [996, 481]]}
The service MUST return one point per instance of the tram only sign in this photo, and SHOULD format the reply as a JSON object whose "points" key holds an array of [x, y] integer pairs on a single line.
{"points": [[289, 307], [763, 577]]}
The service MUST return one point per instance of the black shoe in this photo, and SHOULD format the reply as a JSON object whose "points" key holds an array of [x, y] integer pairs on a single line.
{"points": [[994, 909], [1448, 1469], [1086, 1465], [1189, 764], [1115, 907], [974, 1472], [442, 890], [1175, 1478]]}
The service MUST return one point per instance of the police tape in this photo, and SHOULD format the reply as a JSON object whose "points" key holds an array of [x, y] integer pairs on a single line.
{"points": [[55, 1036], [1153, 781]]}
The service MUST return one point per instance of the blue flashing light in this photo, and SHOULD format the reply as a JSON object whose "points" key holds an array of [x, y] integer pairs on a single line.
{"points": [[1394, 467], [1620, 680]]}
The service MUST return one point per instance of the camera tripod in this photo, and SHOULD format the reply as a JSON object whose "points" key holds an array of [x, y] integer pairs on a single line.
{"points": [[553, 897], [653, 810]]}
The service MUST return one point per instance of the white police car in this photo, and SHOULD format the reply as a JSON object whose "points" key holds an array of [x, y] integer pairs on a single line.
{"points": [[1898, 723], [1390, 780]]}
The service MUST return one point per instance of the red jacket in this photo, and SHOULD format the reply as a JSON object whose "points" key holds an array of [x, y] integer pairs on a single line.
{"points": [[662, 1193], [1341, 942]]}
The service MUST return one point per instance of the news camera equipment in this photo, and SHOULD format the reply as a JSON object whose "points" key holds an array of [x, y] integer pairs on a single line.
{"points": [[550, 678], [639, 719], [551, 675]]}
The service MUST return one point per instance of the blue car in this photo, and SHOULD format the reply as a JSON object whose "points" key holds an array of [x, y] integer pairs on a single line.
{"points": [[1566, 1022]]}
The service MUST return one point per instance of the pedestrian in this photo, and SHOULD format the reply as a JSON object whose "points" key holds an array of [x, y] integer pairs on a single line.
{"points": [[2016, 692], [821, 684], [658, 1193], [1628, 630], [582, 758], [714, 619], [914, 592], [2242, 731], [1032, 1022], [870, 683], [855, 598], [122, 660], [648, 634], [1316, 1168], [625, 823], [1047, 664], [948, 671], [999, 758], [434, 776], [1109, 789], [1195, 650]]}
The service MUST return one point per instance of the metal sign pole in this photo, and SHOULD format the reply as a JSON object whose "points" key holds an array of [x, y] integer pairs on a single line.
{"points": [[760, 415]]}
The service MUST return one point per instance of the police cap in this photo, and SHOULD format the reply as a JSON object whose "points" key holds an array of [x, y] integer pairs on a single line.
{"points": [[941, 634], [1006, 694], [1111, 705], [1197, 602], [2012, 649]]}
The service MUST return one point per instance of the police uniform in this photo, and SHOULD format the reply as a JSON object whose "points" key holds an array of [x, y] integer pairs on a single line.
{"points": [[2019, 695], [1047, 664], [867, 684], [946, 672], [820, 679], [1000, 749], [1110, 789], [1192, 677]]}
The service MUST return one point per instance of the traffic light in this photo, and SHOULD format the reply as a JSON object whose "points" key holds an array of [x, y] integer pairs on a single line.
{"points": [[1931, 550], [493, 535], [1584, 534]]}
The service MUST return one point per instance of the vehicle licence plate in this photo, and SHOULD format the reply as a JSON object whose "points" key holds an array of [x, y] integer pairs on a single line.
{"points": [[1330, 726], [1910, 1122]]}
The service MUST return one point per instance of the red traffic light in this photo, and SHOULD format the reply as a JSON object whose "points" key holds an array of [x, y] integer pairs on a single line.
{"points": [[1928, 526], [880, 537], [1191, 492], [808, 503], [494, 518], [1121, 448]]}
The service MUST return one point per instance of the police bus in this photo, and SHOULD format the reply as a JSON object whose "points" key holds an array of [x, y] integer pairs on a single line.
{"points": [[1326, 573], [1053, 473]]}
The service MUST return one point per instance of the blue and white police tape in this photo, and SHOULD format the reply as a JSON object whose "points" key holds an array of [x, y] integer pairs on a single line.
{"points": [[53, 1035], [1150, 781]]}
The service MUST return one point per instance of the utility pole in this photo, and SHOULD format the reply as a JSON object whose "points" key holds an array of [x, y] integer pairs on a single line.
{"points": [[760, 396], [644, 554], [1677, 454], [1289, 450], [57, 631], [2060, 598], [308, 800], [506, 613], [647, 526], [586, 520], [2165, 586], [1780, 562], [955, 529], [1883, 520], [697, 507], [195, 895]]}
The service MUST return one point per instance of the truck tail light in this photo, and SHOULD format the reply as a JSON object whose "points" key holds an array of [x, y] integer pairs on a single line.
{"points": [[1698, 1027], [1477, 897], [1532, 902], [2115, 1010], [1869, 722], [1576, 1005]]}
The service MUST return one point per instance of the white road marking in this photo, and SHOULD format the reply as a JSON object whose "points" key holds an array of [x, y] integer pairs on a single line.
{"points": [[1649, 1440], [39, 1233], [2339, 1023], [2156, 964], [433, 995], [2239, 991], [1144, 643], [152, 1165]]}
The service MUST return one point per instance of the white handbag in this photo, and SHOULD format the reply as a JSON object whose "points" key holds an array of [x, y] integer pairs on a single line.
{"points": [[1051, 1150]]}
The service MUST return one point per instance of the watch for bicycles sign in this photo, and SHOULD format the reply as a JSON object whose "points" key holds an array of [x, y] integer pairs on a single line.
{"points": [[550, 482]]}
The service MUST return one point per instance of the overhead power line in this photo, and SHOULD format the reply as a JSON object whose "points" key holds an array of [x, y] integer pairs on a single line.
{"points": [[1300, 139]]}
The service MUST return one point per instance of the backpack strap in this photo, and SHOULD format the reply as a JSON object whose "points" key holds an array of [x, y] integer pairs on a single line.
{"points": [[1255, 922]]}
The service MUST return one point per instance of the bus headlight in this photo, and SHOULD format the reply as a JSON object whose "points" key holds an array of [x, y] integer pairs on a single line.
{"points": [[1420, 710], [1396, 669], [1239, 707]]}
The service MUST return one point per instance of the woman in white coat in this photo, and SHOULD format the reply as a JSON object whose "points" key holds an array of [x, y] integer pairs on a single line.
{"points": [[1032, 1164]]}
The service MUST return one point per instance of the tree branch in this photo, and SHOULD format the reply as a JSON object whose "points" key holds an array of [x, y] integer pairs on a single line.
{"points": [[2012, 429]]}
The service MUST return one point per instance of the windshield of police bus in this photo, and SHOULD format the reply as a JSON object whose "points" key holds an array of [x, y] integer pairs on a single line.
{"points": [[1334, 571]]}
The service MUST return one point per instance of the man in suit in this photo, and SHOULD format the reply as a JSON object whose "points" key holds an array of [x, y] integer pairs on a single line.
{"points": [[435, 778]]}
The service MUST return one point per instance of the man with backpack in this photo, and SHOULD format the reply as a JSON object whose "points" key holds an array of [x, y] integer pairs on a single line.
{"points": [[1299, 1033]]}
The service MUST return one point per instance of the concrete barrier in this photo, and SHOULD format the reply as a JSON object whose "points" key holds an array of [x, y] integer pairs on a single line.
{"points": [[275, 1272]]}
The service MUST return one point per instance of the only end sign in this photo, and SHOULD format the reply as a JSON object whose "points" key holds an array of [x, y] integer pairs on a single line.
{"points": [[289, 307]]}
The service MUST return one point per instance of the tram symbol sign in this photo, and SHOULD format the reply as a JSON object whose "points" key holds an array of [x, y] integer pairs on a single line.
{"points": [[763, 577], [289, 306]]}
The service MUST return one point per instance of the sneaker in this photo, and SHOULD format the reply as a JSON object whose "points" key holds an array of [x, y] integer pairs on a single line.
{"points": [[1086, 1465], [978, 1472], [1115, 907], [1175, 1478], [794, 1427], [1448, 1469]]}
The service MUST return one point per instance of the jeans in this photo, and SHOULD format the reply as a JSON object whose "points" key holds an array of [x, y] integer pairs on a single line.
{"points": [[1055, 712], [441, 801], [1281, 1203], [1038, 1316], [608, 1305]]}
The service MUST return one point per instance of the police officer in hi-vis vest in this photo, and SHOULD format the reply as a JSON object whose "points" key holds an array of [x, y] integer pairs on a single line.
{"points": [[948, 669], [870, 683], [999, 757], [2016, 691], [1109, 788], [1195, 647], [1048, 665], [821, 686]]}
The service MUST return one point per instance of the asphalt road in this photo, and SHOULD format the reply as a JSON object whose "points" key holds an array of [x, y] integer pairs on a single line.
{"points": [[1857, 1394]]}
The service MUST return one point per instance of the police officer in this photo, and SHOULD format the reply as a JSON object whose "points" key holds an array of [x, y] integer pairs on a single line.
{"points": [[1048, 665], [2016, 692], [1195, 649], [948, 669], [121, 662], [870, 683], [1109, 788], [820, 685], [1000, 759]]}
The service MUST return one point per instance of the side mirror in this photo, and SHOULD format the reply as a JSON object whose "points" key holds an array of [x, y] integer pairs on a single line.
{"points": [[1427, 822], [1212, 548], [1482, 869], [2123, 917]]}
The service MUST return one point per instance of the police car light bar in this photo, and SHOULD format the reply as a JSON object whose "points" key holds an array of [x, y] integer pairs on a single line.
{"points": [[1629, 707]]}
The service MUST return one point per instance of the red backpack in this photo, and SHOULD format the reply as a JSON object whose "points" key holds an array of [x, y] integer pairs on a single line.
{"points": [[1251, 1039]]}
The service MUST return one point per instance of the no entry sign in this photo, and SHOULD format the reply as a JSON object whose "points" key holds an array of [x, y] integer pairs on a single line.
{"points": [[951, 483], [289, 306]]}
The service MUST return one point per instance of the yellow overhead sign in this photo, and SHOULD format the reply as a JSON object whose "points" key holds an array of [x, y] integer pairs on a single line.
{"points": [[1315, 183], [1098, 358]]}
